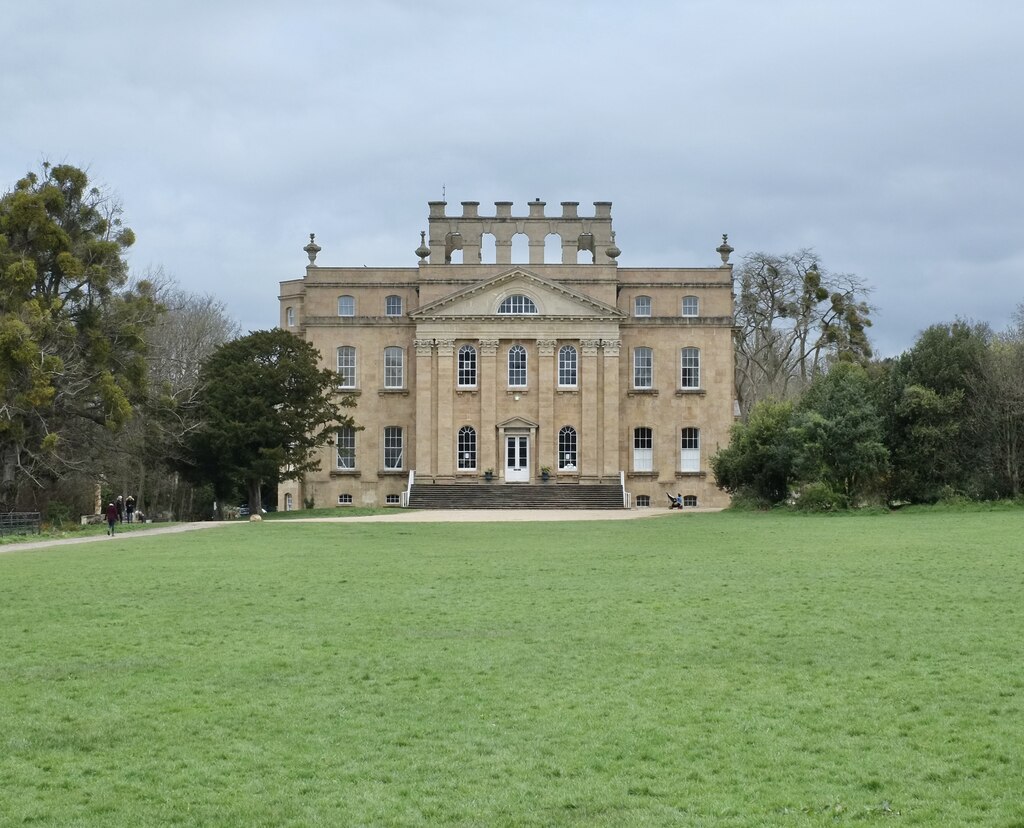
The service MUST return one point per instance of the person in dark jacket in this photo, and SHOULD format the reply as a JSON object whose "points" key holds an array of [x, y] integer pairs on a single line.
{"points": [[111, 518]]}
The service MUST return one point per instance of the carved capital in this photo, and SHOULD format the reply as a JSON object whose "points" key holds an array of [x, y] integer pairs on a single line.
{"points": [[445, 347], [488, 347], [611, 347], [423, 346], [590, 346], [546, 347]]}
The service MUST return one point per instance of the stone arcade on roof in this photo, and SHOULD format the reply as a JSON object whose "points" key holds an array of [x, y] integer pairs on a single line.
{"points": [[464, 368]]}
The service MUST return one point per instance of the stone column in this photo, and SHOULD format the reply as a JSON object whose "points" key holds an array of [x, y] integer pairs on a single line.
{"points": [[590, 439], [610, 409], [444, 446], [547, 432], [488, 383], [425, 386]]}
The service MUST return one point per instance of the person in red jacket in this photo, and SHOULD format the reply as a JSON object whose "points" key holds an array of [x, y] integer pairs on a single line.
{"points": [[111, 518]]}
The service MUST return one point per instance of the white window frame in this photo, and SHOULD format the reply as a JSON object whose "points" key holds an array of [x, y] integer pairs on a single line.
{"points": [[347, 366], [568, 449], [568, 366], [691, 306], [466, 460], [289, 316], [394, 448], [517, 366], [345, 449], [689, 368], [642, 306], [643, 367], [393, 305], [517, 305], [467, 367], [346, 305], [689, 450], [643, 449], [394, 367]]}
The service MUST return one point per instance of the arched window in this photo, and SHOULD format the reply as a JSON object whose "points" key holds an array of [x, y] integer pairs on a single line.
{"points": [[467, 366], [552, 249], [643, 368], [517, 305], [690, 306], [567, 366], [643, 449], [567, 448], [346, 367], [689, 450], [346, 306], [394, 367], [642, 306], [393, 306], [289, 502], [289, 317], [517, 367], [467, 447], [689, 368]]}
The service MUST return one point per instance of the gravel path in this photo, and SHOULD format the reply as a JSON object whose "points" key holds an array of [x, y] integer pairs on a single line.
{"points": [[397, 516]]}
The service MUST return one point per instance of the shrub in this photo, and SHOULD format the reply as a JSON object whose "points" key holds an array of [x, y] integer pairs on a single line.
{"points": [[820, 497]]}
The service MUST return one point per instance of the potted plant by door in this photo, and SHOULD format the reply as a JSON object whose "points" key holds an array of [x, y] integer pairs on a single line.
{"points": [[545, 473]]}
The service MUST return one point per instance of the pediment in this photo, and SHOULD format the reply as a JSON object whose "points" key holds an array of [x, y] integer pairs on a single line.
{"points": [[551, 298], [517, 422]]}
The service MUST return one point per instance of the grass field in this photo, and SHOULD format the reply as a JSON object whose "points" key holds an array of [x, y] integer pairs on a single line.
{"points": [[700, 669]]}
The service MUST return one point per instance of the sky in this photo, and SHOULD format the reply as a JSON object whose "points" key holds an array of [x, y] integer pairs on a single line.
{"points": [[887, 135]]}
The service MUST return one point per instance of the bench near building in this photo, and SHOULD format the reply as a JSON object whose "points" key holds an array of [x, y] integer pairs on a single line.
{"points": [[565, 370]]}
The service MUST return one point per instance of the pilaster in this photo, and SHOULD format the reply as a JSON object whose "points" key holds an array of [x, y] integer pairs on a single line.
{"points": [[610, 462], [590, 439], [425, 386], [547, 432], [487, 383]]}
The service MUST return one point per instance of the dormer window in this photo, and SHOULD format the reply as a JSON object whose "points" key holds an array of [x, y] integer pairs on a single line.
{"points": [[517, 305]]}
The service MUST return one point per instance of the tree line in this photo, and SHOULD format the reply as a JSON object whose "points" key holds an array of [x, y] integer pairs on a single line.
{"points": [[114, 385], [824, 425]]}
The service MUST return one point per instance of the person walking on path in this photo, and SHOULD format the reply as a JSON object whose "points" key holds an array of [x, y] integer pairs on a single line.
{"points": [[129, 507], [111, 518], [120, 508]]}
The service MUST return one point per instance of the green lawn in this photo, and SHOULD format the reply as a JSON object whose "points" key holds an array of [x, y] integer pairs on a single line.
{"points": [[698, 669]]}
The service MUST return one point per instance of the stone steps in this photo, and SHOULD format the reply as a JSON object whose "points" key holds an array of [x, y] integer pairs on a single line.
{"points": [[515, 496]]}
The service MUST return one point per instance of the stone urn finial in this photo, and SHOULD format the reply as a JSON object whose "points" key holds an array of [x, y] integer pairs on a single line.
{"points": [[423, 251], [724, 249], [612, 251], [312, 249]]}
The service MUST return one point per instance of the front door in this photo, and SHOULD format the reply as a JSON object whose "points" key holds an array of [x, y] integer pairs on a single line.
{"points": [[517, 458]]}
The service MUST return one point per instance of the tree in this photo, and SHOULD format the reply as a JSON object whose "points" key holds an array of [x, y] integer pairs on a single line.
{"points": [[146, 456], [264, 406], [937, 442], [839, 434], [71, 336], [760, 458], [794, 318]]}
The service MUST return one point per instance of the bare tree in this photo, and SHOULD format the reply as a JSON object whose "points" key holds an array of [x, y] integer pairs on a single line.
{"points": [[794, 318]]}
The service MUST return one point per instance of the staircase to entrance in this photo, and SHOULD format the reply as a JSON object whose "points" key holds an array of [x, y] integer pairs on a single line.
{"points": [[515, 496]]}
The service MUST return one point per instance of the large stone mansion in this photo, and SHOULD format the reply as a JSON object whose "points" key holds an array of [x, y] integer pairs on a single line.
{"points": [[476, 369]]}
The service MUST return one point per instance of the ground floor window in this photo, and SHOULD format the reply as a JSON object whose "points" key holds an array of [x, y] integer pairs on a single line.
{"points": [[467, 447], [643, 449], [392, 499], [288, 503], [690, 500], [393, 447], [689, 454], [643, 501], [567, 448], [344, 499]]}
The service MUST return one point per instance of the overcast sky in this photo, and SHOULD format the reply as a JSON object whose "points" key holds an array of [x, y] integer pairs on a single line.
{"points": [[886, 134]]}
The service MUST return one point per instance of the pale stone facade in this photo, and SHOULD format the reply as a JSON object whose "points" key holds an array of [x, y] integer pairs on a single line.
{"points": [[587, 369]]}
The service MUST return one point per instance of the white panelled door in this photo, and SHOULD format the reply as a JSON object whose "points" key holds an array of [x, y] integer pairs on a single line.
{"points": [[517, 458]]}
